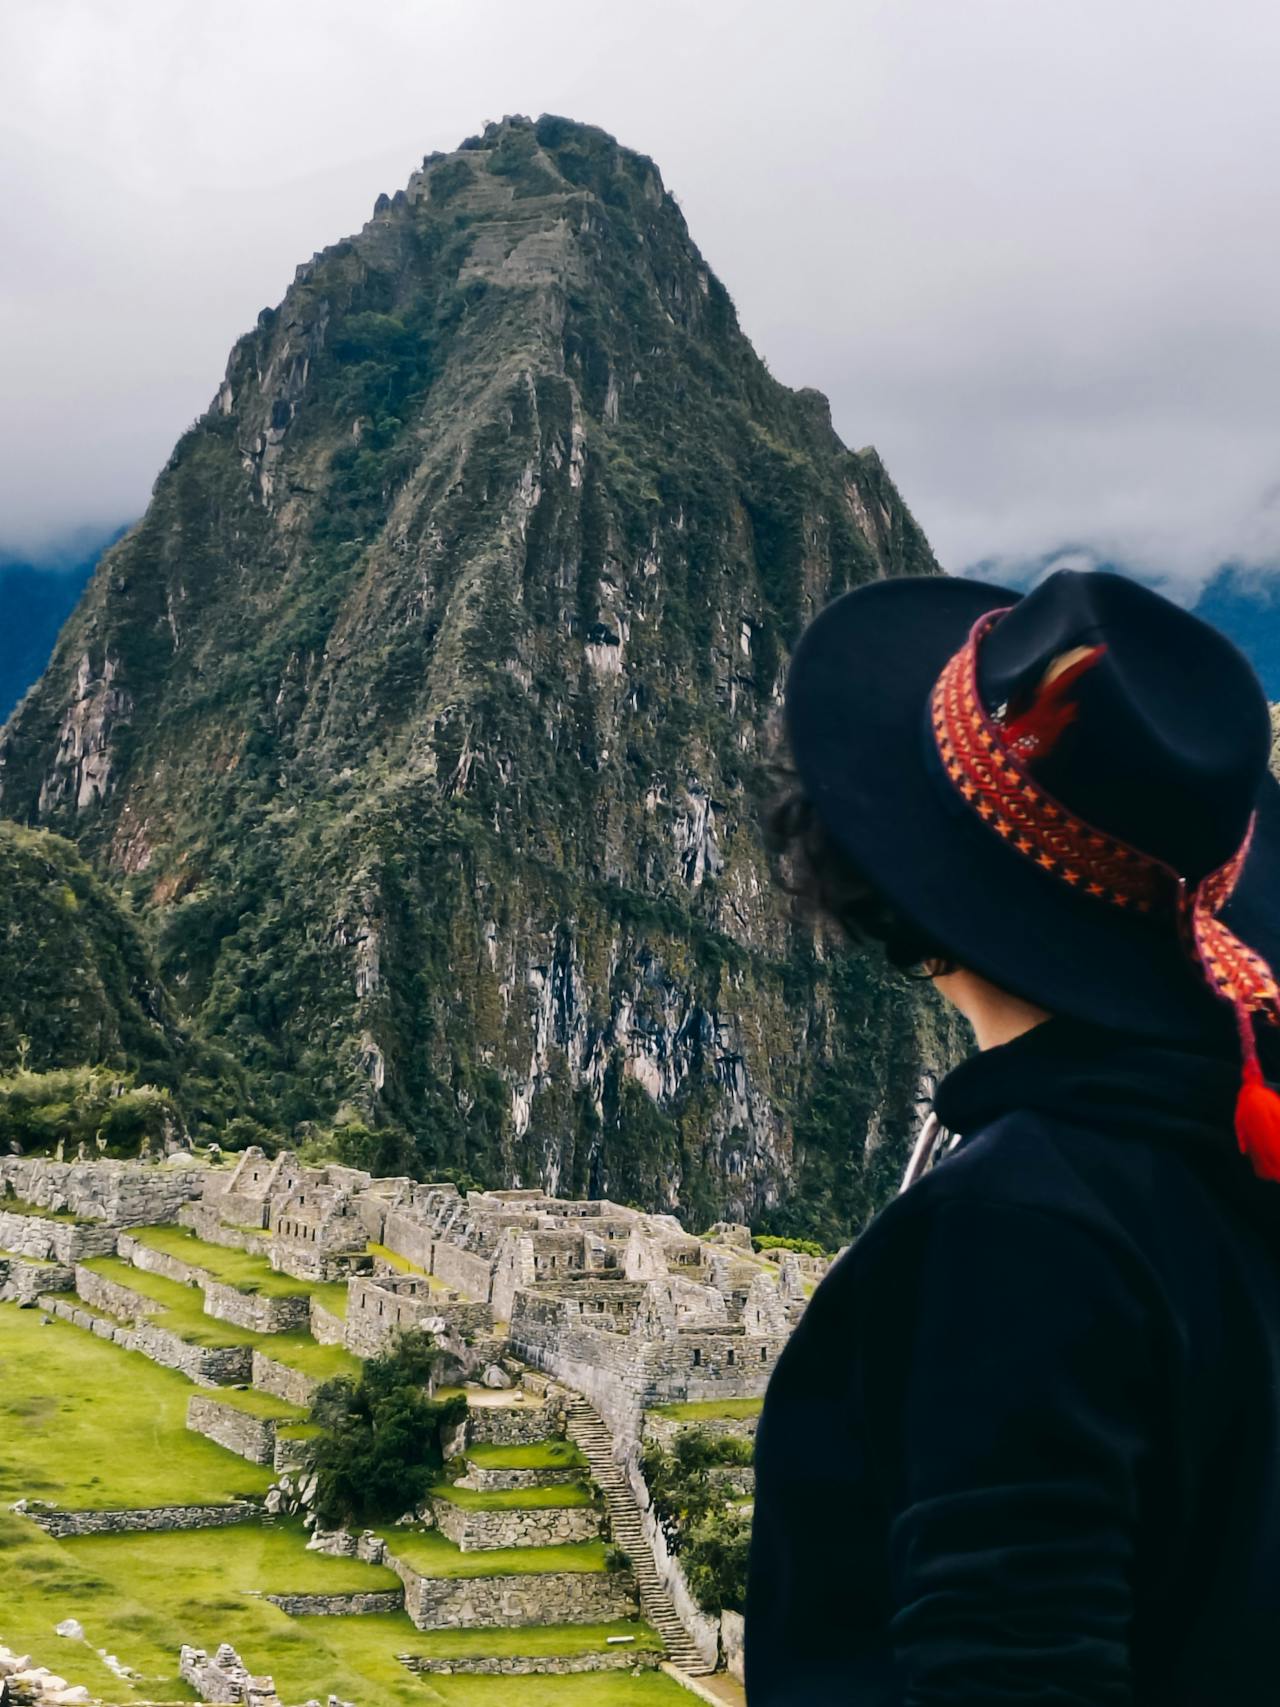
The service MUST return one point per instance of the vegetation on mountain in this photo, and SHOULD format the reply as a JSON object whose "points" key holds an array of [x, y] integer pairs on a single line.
{"points": [[425, 717], [105, 1111]]}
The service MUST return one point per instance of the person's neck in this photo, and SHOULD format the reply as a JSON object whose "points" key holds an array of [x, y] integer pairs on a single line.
{"points": [[996, 1016]]}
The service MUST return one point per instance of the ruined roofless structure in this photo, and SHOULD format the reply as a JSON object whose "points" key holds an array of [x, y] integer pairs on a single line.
{"points": [[624, 1306]]}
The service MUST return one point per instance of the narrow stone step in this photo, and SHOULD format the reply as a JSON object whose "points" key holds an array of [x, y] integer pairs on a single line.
{"points": [[588, 1431]]}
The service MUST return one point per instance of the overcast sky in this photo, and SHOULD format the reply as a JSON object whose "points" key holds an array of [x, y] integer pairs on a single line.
{"points": [[1029, 248]]}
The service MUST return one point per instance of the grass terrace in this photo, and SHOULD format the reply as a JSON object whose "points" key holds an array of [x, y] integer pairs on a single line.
{"points": [[87, 1424], [245, 1270], [604, 1689], [431, 1555], [534, 1641], [560, 1498], [19, 1206], [542, 1455], [299, 1431], [712, 1410], [393, 1259], [254, 1404], [180, 1309]]}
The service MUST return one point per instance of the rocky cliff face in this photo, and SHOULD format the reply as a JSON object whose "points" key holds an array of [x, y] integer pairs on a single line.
{"points": [[424, 713]]}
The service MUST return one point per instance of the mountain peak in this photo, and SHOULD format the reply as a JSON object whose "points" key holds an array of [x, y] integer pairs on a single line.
{"points": [[425, 715]]}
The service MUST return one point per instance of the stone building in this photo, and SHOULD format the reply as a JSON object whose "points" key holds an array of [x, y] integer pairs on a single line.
{"points": [[628, 1307]]}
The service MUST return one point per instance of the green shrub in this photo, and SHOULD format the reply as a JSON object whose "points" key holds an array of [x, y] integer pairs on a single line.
{"points": [[109, 1111], [381, 1445], [711, 1539], [806, 1247], [714, 1559]]}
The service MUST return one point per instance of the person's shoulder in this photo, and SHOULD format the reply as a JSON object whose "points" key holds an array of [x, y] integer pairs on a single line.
{"points": [[1023, 1164]]}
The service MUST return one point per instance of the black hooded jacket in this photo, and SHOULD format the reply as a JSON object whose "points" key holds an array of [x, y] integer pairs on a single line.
{"points": [[1024, 1445]]}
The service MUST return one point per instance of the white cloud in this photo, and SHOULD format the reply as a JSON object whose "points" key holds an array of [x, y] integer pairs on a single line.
{"points": [[1030, 250]]}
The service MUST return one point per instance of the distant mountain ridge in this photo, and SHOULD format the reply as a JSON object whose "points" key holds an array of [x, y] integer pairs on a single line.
{"points": [[36, 597], [425, 718]]}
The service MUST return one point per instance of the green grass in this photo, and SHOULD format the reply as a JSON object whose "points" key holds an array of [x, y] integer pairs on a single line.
{"points": [[542, 1455], [247, 1271], [85, 1423], [255, 1404], [32, 1262], [180, 1309], [331, 1295], [300, 1351], [394, 1260], [431, 1555], [712, 1410], [534, 1640], [141, 1596], [299, 1431], [364, 1645], [604, 1689], [248, 1558], [18, 1206], [563, 1497]]}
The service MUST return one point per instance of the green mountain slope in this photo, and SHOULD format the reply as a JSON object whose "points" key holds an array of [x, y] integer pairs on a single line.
{"points": [[79, 981], [424, 713]]}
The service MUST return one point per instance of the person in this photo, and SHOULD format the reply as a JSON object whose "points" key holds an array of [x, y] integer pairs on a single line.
{"points": [[1024, 1444]]}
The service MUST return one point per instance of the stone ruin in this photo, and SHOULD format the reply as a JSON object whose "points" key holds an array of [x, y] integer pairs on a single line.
{"points": [[627, 1307], [226, 1680]]}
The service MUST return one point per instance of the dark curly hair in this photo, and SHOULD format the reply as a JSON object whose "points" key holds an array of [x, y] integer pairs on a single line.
{"points": [[826, 881]]}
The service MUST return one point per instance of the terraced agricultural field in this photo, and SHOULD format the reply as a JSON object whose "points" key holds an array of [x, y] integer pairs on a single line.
{"points": [[86, 1424], [180, 1309], [245, 1270]]}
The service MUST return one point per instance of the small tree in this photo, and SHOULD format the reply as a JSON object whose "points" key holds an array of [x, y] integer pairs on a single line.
{"points": [[382, 1442]]}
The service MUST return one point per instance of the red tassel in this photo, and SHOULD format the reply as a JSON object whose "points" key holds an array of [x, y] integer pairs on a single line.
{"points": [[1258, 1122], [1037, 730]]}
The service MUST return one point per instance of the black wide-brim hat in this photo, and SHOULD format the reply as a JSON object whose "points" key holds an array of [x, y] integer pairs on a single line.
{"points": [[1167, 749]]}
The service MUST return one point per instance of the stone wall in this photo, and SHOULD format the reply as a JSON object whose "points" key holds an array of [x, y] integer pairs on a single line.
{"points": [[109, 1295], [489, 1481], [381, 1306], [128, 1194], [326, 1328], [733, 1644], [252, 1437], [471, 1274], [61, 1524], [53, 1241], [621, 1372], [512, 1425], [663, 1430], [621, 1658], [22, 1280], [268, 1376], [205, 1222], [408, 1237], [252, 1310], [207, 1366], [152, 1261], [290, 1453], [338, 1605], [549, 1597], [526, 1526]]}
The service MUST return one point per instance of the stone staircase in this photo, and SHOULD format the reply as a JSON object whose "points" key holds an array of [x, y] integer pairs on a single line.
{"points": [[589, 1433]]}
